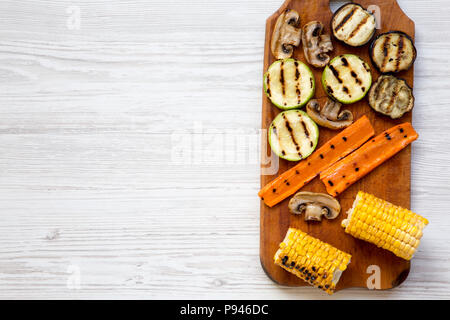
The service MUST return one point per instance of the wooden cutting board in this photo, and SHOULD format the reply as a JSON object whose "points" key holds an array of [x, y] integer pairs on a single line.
{"points": [[391, 181]]}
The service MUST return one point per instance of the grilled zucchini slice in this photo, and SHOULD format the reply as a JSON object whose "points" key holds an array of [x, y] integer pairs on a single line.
{"points": [[347, 78], [289, 84], [353, 25], [391, 96], [393, 52], [293, 135]]}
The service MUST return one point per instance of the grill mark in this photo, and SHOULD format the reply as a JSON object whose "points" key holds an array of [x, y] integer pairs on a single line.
{"points": [[345, 19], [378, 88], [344, 61], [330, 89], [399, 52], [361, 23], [268, 85], [305, 129], [385, 50], [283, 90], [335, 73], [395, 91], [354, 75], [346, 90], [297, 73], [297, 88], [289, 128]]}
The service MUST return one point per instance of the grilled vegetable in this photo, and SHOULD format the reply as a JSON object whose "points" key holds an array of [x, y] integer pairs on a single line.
{"points": [[391, 96], [347, 78], [339, 146], [330, 115], [289, 84], [388, 226], [314, 206], [393, 52], [316, 45], [293, 135], [353, 25], [286, 34], [344, 173], [316, 262]]}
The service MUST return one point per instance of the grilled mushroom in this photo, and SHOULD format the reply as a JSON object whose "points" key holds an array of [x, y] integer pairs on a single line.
{"points": [[391, 96], [314, 206], [316, 44], [330, 115], [286, 34]]}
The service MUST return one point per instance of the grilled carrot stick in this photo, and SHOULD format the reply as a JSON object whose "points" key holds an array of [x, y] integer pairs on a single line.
{"points": [[347, 171], [339, 146]]}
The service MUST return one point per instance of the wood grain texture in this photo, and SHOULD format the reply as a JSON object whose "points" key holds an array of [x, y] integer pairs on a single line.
{"points": [[390, 181], [86, 177]]}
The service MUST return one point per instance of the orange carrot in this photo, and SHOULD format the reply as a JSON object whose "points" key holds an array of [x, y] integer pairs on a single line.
{"points": [[338, 147], [344, 173]]}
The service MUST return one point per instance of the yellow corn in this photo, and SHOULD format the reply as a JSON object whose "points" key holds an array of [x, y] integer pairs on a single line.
{"points": [[312, 260], [388, 226]]}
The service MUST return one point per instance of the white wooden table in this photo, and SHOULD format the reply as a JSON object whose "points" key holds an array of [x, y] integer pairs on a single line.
{"points": [[100, 99]]}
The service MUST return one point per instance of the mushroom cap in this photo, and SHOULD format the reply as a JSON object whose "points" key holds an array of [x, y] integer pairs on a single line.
{"points": [[314, 206], [330, 115], [286, 34], [316, 44]]}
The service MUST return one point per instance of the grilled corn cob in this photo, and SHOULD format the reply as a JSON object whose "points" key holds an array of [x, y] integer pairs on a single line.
{"points": [[316, 262], [388, 226]]}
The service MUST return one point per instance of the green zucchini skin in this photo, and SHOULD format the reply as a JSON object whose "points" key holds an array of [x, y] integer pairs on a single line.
{"points": [[293, 135], [347, 78], [282, 88]]}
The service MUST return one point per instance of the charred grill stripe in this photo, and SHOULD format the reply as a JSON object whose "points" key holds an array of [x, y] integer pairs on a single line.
{"points": [[345, 19], [344, 61], [355, 76], [395, 91], [289, 128], [385, 50], [305, 129], [268, 85], [401, 43], [360, 24], [283, 90], [297, 82], [335, 73], [378, 89], [330, 89]]}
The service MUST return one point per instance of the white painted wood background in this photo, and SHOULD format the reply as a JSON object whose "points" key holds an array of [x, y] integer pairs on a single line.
{"points": [[89, 184]]}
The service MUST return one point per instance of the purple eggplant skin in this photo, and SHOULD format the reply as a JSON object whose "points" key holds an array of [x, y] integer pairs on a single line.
{"points": [[372, 47], [332, 31]]}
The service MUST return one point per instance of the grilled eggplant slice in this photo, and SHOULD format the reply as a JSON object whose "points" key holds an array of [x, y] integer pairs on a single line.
{"points": [[347, 78], [393, 52], [353, 25], [391, 96], [289, 84], [293, 135]]}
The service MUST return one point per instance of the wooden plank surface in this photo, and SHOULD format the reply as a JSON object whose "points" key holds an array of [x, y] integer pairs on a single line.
{"points": [[390, 181], [86, 178]]}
